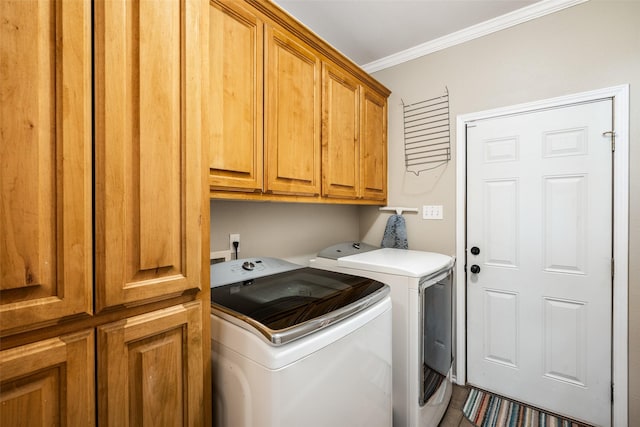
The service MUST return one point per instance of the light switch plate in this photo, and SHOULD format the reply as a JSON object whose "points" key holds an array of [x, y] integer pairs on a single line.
{"points": [[432, 212]]}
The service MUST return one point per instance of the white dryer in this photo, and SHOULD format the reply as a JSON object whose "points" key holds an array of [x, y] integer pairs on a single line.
{"points": [[421, 286], [296, 346]]}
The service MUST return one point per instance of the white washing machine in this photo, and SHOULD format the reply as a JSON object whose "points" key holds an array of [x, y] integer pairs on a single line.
{"points": [[421, 286], [297, 346]]}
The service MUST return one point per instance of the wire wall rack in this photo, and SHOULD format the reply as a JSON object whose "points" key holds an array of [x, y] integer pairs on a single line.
{"points": [[427, 136]]}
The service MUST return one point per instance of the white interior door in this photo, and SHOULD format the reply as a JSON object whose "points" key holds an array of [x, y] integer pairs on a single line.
{"points": [[539, 210]]}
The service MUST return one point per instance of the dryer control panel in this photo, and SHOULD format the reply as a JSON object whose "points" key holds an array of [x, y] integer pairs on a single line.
{"points": [[345, 249]]}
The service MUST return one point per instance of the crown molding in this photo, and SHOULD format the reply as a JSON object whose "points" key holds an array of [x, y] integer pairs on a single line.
{"points": [[528, 13]]}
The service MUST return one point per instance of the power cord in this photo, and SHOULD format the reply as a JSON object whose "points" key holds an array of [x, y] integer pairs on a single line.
{"points": [[235, 246]]}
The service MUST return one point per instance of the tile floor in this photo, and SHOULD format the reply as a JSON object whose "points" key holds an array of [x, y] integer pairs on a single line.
{"points": [[453, 417]]}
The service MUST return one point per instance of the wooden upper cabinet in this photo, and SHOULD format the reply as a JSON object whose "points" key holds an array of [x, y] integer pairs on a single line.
{"points": [[150, 369], [235, 97], [45, 147], [354, 138], [292, 115], [49, 383], [373, 145], [340, 133], [148, 186], [287, 112]]}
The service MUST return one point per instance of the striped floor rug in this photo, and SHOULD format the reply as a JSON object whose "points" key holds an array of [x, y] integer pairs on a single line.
{"points": [[488, 410]]}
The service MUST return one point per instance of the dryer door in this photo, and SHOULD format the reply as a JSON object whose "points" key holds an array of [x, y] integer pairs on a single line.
{"points": [[436, 325]]}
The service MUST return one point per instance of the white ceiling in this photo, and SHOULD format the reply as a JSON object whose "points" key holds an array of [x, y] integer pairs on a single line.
{"points": [[370, 30]]}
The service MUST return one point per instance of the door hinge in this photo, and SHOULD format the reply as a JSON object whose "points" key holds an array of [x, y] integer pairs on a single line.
{"points": [[612, 134], [611, 392], [613, 268]]}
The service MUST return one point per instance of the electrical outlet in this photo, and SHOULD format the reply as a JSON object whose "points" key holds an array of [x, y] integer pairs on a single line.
{"points": [[234, 238], [432, 212]]}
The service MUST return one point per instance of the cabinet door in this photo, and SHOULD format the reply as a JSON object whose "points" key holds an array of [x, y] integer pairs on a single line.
{"points": [[49, 383], [235, 95], [340, 134], [373, 144], [150, 369], [45, 179], [292, 115], [147, 149]]}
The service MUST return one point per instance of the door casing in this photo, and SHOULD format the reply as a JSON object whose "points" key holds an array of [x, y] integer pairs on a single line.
{"points": [[620, 96]]}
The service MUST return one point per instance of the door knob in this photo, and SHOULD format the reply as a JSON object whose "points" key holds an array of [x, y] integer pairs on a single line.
{"points": [[475, 250], [475, 269]]}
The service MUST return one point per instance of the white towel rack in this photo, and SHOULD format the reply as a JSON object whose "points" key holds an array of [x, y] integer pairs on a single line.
{"points": [[399, 209]]}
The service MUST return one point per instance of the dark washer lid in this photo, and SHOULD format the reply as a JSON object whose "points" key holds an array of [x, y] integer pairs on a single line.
{"points": [[286, 306]]}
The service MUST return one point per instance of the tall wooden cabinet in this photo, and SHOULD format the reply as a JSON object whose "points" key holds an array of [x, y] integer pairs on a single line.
{"points": [[104, 222], [148, 165], [291, 119], [45, 150]]}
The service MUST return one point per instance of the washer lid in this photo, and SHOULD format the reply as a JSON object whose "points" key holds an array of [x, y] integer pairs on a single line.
{"points": [[401, 262], [285, 306]]}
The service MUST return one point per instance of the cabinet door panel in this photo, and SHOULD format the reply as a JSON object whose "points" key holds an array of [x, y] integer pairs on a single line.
{"points": [[148, 156], [340, 134], [236, 94], [150, 369], [374, 146], [49, 383], [45, 179], [292, 115]]}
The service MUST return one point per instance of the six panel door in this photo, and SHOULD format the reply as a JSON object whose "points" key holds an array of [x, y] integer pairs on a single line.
{"points": [[539, 297], [45, 179]]}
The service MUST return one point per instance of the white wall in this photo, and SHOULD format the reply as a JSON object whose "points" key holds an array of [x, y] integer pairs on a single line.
{"points": [[586, 47], [283, 230]]}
